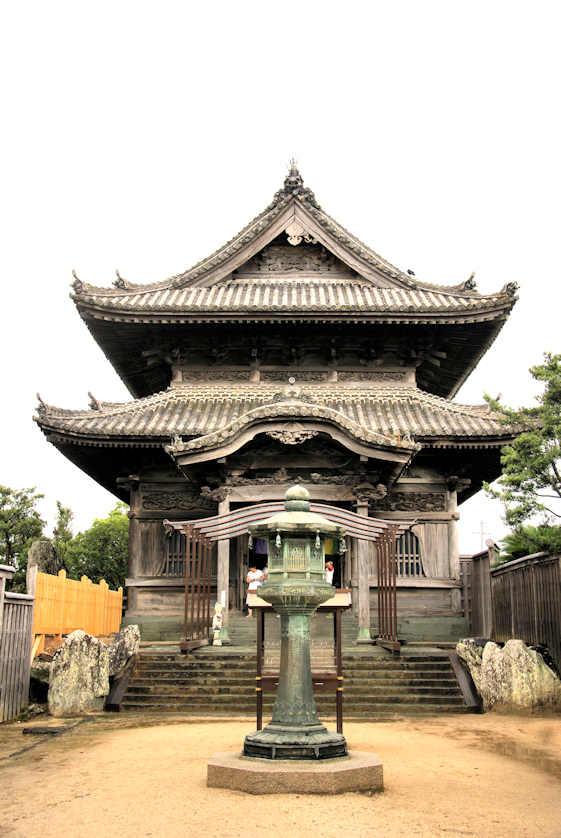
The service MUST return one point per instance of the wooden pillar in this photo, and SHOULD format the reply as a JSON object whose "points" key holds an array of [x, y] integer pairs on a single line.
{"points": [[363, 582], [453, 535], [454, 550], [223, 575], [354, 576]]}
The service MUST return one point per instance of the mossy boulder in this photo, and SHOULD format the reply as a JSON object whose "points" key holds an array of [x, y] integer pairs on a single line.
{"points": [[79, 676]]}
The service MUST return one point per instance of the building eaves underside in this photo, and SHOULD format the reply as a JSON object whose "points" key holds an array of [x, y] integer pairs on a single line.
{"points": [[124, 344]]}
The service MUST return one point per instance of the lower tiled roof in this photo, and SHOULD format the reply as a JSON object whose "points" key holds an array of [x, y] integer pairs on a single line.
{"points": [[396, 411]]}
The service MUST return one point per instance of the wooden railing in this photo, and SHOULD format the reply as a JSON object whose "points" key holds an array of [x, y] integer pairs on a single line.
{"points": [[63, 605], [526, 602]]}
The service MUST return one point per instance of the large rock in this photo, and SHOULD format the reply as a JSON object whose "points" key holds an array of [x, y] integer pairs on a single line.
{"points": [[470, 651], [42, 554], [123, 646], [513, 677], [517, 678], [79, 677]]}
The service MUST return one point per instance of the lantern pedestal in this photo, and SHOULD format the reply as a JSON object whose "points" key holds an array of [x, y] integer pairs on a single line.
{"points": [[295, 731]]}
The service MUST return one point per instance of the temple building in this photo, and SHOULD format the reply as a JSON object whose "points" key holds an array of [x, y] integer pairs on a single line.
{"points": [[293, 354]]}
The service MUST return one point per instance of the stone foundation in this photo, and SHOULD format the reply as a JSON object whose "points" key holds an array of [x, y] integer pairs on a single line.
{"points": [[359, 771]]}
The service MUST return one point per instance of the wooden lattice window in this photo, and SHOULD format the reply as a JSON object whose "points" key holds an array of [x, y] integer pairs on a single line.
{"points": [[175, 556], [408, 556]]}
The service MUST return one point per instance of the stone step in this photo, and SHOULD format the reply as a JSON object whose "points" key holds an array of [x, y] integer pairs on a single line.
{"points": [[405, 683], [397, 666], [189, 678], [374, 712], [232, 698], [357, 690], [193, 663], [370, 686]]}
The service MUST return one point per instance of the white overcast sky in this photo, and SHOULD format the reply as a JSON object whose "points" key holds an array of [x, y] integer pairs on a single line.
{"points": [[141, 136]]}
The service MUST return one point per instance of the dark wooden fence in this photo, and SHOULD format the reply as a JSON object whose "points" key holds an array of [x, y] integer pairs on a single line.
{"points": [[526, 602], [476, 592], [16, 626]]}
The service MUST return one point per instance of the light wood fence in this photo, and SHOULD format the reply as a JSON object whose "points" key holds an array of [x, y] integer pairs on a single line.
{"points": [[63, 605], [16, 618]]}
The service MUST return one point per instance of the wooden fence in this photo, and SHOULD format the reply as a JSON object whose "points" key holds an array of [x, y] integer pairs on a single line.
{"points": [[517, 600], [63, 605], [16, 617], [476, 593], [526, 599]]}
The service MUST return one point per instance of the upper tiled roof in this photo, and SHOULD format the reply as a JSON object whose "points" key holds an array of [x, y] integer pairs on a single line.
{"points": [[297, 296], [208, 287], [391, 411]]}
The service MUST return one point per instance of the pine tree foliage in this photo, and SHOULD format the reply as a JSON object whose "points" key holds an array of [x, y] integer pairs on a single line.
{"points": [[530, 484], [62, 532], [524, 541]]}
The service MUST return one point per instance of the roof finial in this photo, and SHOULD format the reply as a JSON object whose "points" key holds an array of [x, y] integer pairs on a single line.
{"points": [[293, 187]]}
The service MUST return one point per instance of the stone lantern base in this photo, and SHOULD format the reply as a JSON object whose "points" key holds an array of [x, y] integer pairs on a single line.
{"points": [[359, 771]]}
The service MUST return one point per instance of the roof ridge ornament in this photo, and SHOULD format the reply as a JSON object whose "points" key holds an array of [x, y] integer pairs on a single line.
{"points": [[94, 403], [470, 284], [77, 285], [42, 406], [293, 187], [120, 282]]}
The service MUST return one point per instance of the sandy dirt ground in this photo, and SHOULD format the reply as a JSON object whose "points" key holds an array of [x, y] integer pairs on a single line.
{"points": [[116, 776]]}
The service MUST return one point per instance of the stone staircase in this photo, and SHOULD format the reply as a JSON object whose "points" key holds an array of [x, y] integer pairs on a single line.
{"points": [[221, 682]]}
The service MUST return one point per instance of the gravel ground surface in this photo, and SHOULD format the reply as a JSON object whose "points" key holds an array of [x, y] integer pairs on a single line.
{"points": [[125, 776]]}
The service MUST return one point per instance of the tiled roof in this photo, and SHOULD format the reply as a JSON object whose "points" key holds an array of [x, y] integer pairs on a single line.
{"points": [[296, 296], [184, 294], [391, 411]]}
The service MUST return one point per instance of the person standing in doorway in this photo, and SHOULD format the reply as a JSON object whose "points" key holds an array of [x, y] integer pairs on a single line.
{"points": [[253, 579], [329, 571]]}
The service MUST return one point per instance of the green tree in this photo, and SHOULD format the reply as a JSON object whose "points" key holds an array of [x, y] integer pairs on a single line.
{"points": [[526, 540], [20, 525], [62, 533], [101, 552], [531, 480]]}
